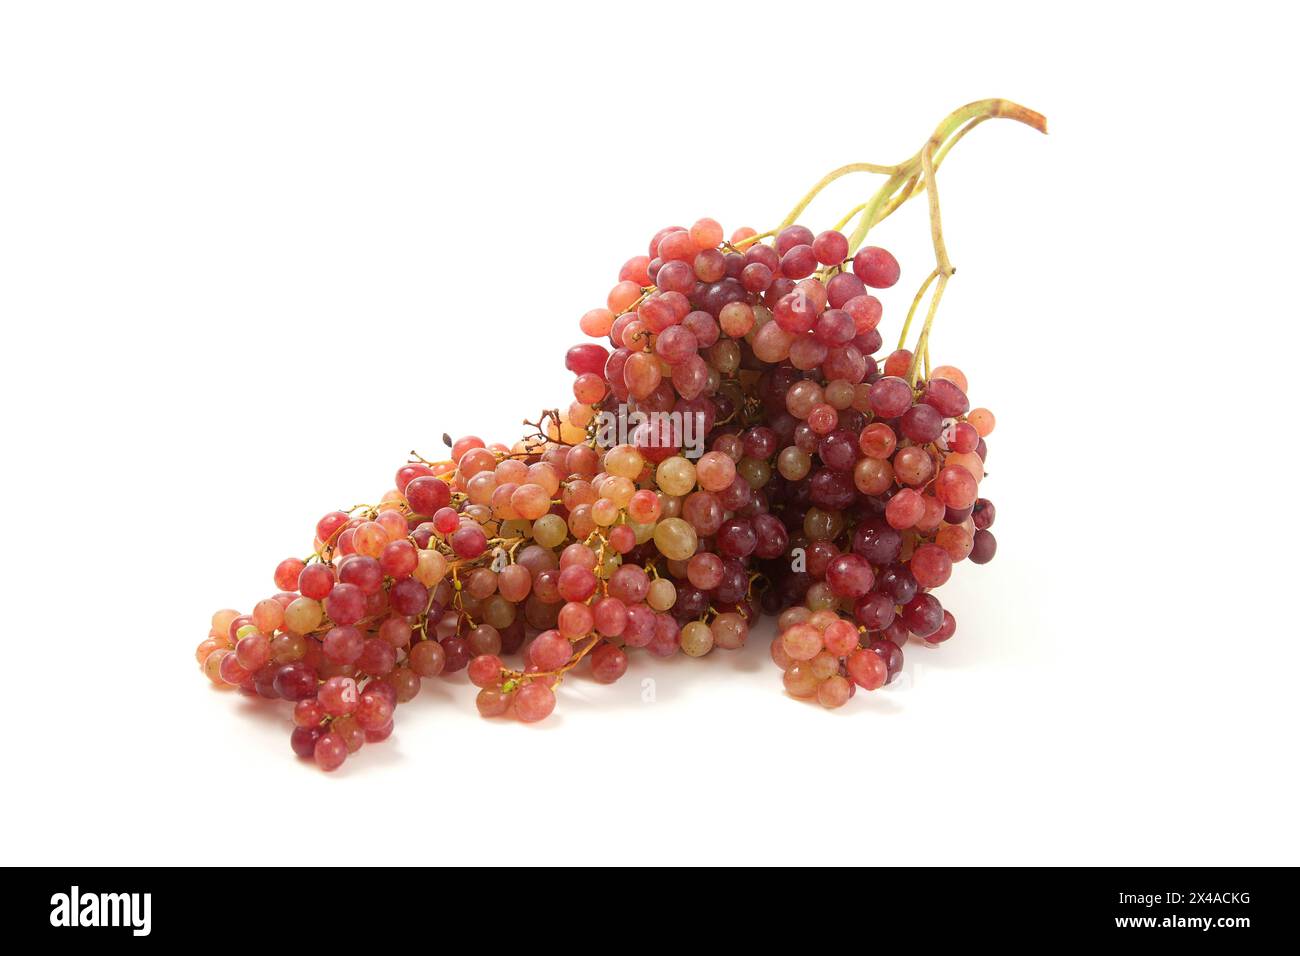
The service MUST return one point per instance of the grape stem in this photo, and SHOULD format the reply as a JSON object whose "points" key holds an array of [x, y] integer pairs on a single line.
{"points": [[905, 180]]}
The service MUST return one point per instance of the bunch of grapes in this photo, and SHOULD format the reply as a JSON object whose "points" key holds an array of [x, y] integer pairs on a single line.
{"points": [[733, 447]]}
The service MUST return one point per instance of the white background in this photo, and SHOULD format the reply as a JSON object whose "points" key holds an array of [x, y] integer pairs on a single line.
{"points": [[253, 253]]}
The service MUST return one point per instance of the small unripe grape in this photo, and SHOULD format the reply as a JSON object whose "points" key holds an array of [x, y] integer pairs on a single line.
{"points": [[821, 597], [303, 616], [549, 530], [430, 568], [792, 616], [662, 594], [822, 525], [696, 639], [675, 539], [675, 476], [736, 319], [624, 460], [794, 464]]}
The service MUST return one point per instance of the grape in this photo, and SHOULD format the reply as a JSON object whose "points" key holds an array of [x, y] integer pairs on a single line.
{"points": [[252, 651], [492, 701], [350, 732], [303, 740], [922, 615], [286, 573], [921, 424], [947, 397], [983, 421], [802, 642], [931, 565], [849, 575], [427, 658], [377, 657], [875, 611], [308, 712], [729, 631], [315, 581], [338, 695], [330, 751], [295, 681], [485, 670], [550, 650], [868, 670], [830, 247], [346, 604], [399, 559], [468, 541], [534, 701], [946, 630], [800, 681], [890, 397], [373, 709], [608, 663], [696, 639], [983, 547], [876, 267]]}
